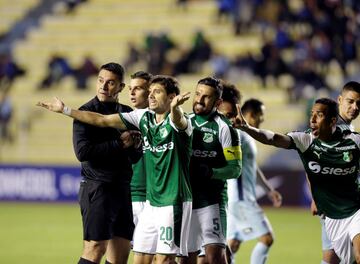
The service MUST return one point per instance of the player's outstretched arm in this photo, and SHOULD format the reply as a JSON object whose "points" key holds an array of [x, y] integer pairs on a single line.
{"points": [[176, 113], [264, 136], [91, 118]]}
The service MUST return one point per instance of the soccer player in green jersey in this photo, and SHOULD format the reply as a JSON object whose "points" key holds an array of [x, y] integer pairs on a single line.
{"points": [[330, 157], [163, 228], [349, 106], [138, 93], [216, 157]]}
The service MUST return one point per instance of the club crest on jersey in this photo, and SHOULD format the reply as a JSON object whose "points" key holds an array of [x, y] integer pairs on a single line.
{"points": [[347, 156], [208, 138], [163, 132]]}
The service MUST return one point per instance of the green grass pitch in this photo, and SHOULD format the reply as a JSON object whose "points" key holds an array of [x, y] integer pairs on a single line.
{"points": [[51, 233]]}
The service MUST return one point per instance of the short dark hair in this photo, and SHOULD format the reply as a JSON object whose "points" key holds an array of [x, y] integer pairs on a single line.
{"points": [[253, 105], [170, 84], [332, 106], [142, 75], [215, 83], [231, 93], [115, 68], [351, 86]]}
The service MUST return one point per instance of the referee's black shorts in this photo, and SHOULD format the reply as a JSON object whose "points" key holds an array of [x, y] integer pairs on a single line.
{"points": [[106, 210]]}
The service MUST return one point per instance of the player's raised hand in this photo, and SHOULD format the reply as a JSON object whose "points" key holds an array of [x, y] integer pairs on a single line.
{"points": [[180, 99], [55, 106], [239, 120], [276, 198]]}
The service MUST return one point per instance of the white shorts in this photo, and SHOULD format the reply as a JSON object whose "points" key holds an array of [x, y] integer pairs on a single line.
{"points": [[246, 221], [137, 208], [163, 230], [325, 241], [341, 233], [207, 227]]}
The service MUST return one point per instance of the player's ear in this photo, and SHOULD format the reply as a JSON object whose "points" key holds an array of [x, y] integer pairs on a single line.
{"points": [[122, 86], [333, 121], [339, 99], [119, 89]]}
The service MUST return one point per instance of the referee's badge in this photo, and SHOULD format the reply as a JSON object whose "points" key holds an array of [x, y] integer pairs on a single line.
{"points": [[347, 156], [208, 138]]}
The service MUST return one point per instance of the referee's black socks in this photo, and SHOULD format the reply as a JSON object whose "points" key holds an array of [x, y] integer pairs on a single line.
{"points": [[85, 261], [107, 262]]}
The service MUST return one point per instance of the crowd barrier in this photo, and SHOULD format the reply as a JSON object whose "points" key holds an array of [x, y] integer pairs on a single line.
{"points": [[61, 184]]}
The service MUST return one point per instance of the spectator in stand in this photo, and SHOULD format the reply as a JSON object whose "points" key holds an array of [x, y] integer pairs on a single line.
{"points": [[157, 47], [133, 55], [271, 63], [86, 70], [191, 60], [9, 71], [225, 9], [220, 65], [72, 4], [6, 113], [182, 4], [201, 50], [58, 68]]}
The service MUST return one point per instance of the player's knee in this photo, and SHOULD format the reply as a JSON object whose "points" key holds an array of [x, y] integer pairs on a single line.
{"points": [[95, 249], [267, 239]]}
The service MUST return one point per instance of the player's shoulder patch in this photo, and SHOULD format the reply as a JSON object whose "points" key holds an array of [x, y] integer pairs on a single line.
{"points": [[301, 140]]}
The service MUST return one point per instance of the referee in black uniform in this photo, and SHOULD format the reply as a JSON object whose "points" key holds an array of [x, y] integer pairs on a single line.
{"points": [[106, 155]]}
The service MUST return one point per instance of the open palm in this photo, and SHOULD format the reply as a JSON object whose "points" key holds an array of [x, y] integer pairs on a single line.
{"points": [[56, 106], [180, 99]]}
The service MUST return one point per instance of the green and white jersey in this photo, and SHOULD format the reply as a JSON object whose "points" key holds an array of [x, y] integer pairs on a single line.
{"points": [[332, 169], [343, 125], [167, 152], [216, 156], [138, 181]]}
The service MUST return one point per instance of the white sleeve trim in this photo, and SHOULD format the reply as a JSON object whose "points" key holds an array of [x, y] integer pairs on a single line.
{"points": [[188, 130], [302, 140], [134, 117]]}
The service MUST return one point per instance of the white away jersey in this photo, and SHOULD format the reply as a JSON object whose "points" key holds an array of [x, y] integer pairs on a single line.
{"points": [[243, 188]]}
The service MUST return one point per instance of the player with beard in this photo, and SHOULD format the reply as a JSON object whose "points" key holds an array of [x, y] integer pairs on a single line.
{"points": [[216, 157]]}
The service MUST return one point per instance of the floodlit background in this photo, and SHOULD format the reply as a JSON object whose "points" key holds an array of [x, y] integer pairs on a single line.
{"points": [[286, 53]]}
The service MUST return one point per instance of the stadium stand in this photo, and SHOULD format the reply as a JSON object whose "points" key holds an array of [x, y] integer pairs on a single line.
{"points": [[103, 29], [11, 11]]}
